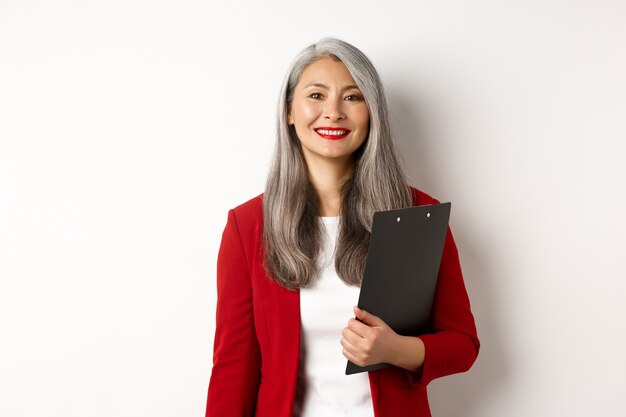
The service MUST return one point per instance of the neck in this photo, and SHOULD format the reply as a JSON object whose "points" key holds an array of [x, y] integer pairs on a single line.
{"points": [[327, 177]]}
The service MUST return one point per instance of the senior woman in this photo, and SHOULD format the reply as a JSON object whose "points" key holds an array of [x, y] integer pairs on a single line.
{"points": [[291, 262]]}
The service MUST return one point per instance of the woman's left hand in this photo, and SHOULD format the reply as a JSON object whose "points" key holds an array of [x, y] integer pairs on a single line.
{"points": [[370, 342]]}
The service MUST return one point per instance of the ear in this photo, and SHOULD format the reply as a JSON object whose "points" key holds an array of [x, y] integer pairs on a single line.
{"points": [[289, 118]]}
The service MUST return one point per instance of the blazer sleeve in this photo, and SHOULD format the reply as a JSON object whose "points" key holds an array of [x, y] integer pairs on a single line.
{"points": [[453, 345], [236, 373]]}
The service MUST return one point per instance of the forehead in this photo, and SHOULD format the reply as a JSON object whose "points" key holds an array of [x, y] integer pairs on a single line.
{"points": [[328, 72]]}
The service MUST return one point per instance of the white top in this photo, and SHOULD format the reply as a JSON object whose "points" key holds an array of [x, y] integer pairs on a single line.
{"points": [[324, 389]]}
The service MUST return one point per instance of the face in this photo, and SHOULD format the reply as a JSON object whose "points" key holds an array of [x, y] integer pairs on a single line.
{"points": [[329, 112]]}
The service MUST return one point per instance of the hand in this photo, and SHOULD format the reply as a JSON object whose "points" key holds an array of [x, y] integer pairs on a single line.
{"points": [[370, 342]]}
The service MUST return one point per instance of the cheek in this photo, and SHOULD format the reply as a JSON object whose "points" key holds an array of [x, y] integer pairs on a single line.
{"points": [[363, 117], [365, 122], [304, 112], [365, 130], [309, 113]]}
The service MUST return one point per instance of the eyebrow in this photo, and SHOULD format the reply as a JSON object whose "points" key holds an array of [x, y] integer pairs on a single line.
{"points": [[348, 87]]}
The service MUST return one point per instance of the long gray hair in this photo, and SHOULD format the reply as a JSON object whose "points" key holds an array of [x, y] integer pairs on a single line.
{"points": [[291, 229]]}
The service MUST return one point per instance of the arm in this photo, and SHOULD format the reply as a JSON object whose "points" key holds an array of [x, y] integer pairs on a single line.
{"points": [[236, 370], [452, 346]]}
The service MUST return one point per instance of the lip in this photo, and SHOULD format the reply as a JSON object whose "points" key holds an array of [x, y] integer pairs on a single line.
{"points": [[332, 137]]}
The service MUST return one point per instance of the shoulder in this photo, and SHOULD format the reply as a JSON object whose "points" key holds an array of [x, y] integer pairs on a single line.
{"points": [[420, 198], [247, 217], [250, 208]]}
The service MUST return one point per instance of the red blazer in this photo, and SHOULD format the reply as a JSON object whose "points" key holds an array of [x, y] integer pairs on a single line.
{"points": [[257, 335]]}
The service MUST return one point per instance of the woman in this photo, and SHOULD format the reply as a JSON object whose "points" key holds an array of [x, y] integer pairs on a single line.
{"points": [[291, 260]]}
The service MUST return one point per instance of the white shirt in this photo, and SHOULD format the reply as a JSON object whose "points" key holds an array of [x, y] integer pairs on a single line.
{"points": [[324, 389]]}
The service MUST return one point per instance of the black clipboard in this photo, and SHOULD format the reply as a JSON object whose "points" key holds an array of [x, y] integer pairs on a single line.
{"points": [[401, 269]]}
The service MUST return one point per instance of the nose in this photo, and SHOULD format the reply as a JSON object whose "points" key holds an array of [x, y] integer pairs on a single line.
{"points": [[334, 109]]}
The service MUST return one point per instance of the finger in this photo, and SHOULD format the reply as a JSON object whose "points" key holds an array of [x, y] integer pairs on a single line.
{"points": [[354, 355], [366, 316], [351, 357], [348, 347], [359, 328], [354, 339]]}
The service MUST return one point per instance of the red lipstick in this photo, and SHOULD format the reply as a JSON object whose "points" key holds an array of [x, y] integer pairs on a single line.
{"points": [[330, 132]]}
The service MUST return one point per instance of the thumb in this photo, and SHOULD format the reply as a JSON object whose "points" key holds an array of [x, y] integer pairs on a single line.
{"points": [[366, 317]]}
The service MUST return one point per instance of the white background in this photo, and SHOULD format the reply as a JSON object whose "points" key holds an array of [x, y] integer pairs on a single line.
{"points": [[129, 128]]}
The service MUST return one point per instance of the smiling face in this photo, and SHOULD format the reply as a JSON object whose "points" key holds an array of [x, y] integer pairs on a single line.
{"points": [[328, 112]]}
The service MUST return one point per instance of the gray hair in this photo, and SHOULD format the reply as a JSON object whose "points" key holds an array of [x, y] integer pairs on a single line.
{"points": [[291, 229]]}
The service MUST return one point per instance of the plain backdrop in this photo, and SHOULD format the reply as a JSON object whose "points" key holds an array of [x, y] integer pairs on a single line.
{"points": [[129, 128]]}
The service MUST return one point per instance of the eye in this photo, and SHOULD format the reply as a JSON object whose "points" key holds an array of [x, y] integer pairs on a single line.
{"points": [[314, 94], [354, 97]]}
